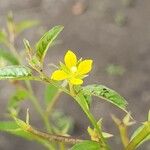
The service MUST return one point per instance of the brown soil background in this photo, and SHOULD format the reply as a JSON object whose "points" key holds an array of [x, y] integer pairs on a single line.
{"points": [[90, 33]]}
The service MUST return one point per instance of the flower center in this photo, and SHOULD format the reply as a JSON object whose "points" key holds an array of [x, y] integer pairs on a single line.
{"points": [[73, 69]]}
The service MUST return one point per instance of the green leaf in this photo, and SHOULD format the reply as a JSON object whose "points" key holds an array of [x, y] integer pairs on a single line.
{"points": [[15, 72], [12, 128], [86, 145], [25, 25], [61, 123], [50, 92], [88, 100], [3, 36], [46, 41], [106, 94], [82, 101], [141, 129], [8, 56], [16, 98], [29, 50]]}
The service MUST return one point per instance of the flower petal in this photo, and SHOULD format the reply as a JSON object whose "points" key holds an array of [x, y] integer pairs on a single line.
{"points": [[59, 75], [70, 59], [76, 81], [85, 66]]}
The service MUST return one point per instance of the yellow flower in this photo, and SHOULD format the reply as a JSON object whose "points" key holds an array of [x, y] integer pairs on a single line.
{"points": [[73, 70]]}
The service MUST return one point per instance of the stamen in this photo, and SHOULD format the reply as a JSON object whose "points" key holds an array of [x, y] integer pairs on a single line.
{"points": [[73, 69]]}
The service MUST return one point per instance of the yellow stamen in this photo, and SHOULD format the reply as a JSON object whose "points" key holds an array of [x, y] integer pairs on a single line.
{"points": [[73, 69]]}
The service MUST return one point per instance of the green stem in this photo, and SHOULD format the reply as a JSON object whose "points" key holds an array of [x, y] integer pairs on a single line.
{"points": [[13, 50], [86, 111], [52, 103], [51, 137], [124, 135], [72, 91], [28, 84], [10, 45], [62, 146], [80, 99], [133, 144], [38, 107]]}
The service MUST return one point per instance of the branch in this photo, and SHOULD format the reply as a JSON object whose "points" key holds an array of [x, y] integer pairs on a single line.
{"points": [[51, 137]]}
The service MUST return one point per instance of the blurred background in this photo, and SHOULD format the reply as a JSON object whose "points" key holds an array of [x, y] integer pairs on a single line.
{"points": [[114, 33]]}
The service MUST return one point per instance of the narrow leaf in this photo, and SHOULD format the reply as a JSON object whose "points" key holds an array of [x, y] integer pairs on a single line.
{"points": [[12, 128], [49, 93], [86, 145], [143, 133], [3, 36], [61, 123], [25, 25], [15, 72], [8, 56], [82, 101], [46, 41], [105, 93], [16, 98]]}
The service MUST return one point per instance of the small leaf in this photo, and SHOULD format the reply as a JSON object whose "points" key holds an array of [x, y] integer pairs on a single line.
{"points": [[3, 36], [82, 101], [16, 98], [8, 56], [86, 145], [106, 94], [61, 123], [88, 100], [25, 25], [107, 135], [142, 130], [12, 128], [15, 72], [46, 41], [27, 46], [49, 93], [10, 23]]}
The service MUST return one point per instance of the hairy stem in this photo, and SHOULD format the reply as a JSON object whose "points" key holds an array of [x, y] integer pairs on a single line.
{"points": [[51, 137], [91, 118]]}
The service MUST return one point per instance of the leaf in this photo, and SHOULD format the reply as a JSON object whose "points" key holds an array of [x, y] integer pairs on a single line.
{"points": [[106, 94], [16, 98], [86, 145], [139, 130], [82, 101], [12, 128], [8, 56], [88, 100], [107, 135], [46, 41], [25, 25], [50, 92], [28, 47], [3, 36], [61, 123], [15, 72]]}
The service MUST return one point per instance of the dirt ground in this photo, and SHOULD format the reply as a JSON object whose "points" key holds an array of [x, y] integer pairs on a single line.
{"points": [[92, 31]]}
